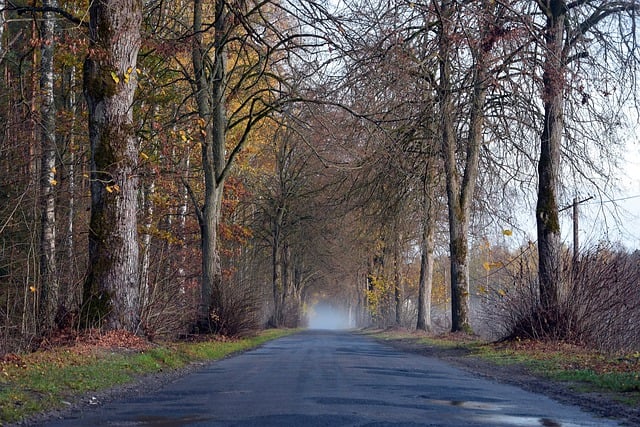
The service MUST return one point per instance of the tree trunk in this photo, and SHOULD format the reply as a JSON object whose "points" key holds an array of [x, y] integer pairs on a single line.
{"points": [[397, 279], [547, 219], [3, 5], [460, 192], [276, 282], [110, 80], [67, 291], [145, 261], [48, 268], [210, 98], [458, 211], [425, 283]]}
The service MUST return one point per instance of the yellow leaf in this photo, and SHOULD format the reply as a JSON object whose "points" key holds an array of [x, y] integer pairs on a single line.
{"points": [[501, 292], [115, 77], [116, 187], [84, 175], [53, 169], [184, 137], [507, 232], [53, 182], [109, 189], [32, 288], [127, 74], [144, 155], [486, 265], [203, 132], [138, 71]]}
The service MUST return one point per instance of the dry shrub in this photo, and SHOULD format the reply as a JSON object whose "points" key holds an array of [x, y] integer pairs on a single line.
{"points": [[236, 310], [600, 305], [605, 299], [169, 304]]}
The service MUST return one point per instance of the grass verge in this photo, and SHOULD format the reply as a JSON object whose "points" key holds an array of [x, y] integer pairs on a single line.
{"points": [[587, 370], [46, 380]]}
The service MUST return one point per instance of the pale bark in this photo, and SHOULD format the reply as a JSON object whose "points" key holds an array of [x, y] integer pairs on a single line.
{"points": [[111, 291], [48, 292], [425, 282], [397, 279], [3, 5], [145, 259], [66, 297]]}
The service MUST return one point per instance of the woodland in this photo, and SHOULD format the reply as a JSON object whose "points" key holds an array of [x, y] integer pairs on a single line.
{"points": [[173, 167]]}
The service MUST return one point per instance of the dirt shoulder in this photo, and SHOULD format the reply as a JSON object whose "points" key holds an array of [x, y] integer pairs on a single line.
{"points": [[601, 404]]}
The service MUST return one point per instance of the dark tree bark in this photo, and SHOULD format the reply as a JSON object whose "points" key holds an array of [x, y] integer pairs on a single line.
{"points": [[110, 81], [211, 100], [548, 223]]}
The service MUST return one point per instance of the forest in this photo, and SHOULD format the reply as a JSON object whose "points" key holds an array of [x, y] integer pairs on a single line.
{"points": [[174, 167]]}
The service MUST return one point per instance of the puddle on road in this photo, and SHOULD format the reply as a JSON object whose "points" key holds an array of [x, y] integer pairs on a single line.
{"points": [[511, 420], [514, 420], [484, 406], [155, 421]]}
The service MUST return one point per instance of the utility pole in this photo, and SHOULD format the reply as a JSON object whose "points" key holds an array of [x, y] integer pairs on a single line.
{"points": [[575, 231], [576, 247]]}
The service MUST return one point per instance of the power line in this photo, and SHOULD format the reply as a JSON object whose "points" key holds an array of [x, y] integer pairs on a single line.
{"points": [[616, 200]]}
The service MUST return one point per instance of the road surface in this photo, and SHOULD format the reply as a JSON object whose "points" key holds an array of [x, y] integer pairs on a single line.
{"points": [[328, 378]]}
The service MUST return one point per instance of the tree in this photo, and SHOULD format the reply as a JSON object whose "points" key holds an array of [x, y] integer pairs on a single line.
{"points": [[239, 80], [49, 292], [566, 42], [110, 81], [461, 187]]}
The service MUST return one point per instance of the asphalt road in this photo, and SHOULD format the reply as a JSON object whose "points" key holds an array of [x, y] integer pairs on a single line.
{"points": [[324, 378]]}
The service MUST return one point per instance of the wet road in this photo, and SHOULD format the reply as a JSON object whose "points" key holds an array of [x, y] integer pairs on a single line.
{"points": [[323, 378]]}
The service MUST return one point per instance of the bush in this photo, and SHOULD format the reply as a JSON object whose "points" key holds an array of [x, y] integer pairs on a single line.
{"points": [[236, 310], [600, 305]]}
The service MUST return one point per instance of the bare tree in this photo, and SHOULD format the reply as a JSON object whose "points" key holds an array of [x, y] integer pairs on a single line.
{"points": [[461, 185], [568, 27]]}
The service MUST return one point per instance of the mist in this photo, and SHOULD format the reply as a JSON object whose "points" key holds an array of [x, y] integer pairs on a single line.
{"points": [[325, 316]]}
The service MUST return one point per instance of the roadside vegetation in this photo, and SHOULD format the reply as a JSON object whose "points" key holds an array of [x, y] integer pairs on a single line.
{"points": [[55, 377], [616, 375]]}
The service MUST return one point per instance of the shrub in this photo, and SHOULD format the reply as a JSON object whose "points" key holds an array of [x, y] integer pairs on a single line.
{"points": [[599, 305]]}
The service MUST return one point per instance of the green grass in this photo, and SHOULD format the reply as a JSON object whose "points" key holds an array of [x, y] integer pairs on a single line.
{"points": [[45, 380]]}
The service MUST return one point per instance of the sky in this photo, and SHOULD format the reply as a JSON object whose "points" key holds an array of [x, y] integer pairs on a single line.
{"points": [[616, 220]]}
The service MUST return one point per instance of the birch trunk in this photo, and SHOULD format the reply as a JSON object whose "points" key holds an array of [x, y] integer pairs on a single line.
{"points": [[3, 5], [66, 297], [111, 290], [48, 292], [145, 260]]}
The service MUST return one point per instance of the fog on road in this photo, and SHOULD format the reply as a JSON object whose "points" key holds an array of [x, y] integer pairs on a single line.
{"points": [[332, 378]]}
